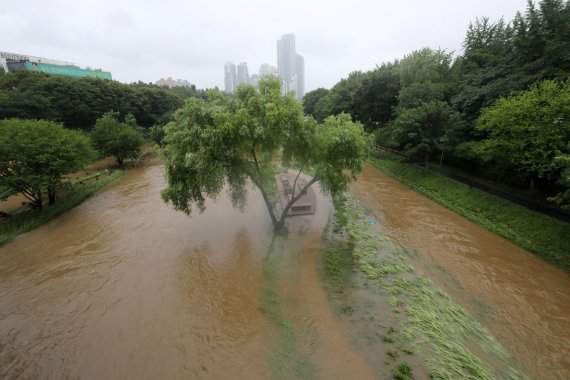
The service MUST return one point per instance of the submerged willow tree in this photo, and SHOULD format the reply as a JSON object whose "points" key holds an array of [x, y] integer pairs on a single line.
{"points": [[228, 141]]}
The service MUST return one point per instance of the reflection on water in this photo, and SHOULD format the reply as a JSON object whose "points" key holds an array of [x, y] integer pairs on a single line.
{"points": [[525, 302]]}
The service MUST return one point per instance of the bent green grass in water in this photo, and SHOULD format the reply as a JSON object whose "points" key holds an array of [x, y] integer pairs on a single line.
{"points": [[438, 328]]}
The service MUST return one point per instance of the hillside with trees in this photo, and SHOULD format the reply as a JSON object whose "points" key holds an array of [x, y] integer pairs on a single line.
{"points": [[79, 102], [500, 110]]}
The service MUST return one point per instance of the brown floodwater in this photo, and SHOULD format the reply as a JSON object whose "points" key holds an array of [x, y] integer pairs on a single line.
{"points": [[123, 287], [522, 300]]}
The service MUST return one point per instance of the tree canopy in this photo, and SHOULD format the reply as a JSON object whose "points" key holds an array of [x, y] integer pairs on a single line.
{"points": [[78, 102], [528, 130], [429, 103], [35, 155], [224, 142], [113, 138], [311, 99], [424, 123]]}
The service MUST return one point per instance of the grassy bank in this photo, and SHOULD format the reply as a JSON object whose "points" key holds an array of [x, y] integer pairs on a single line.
{"points": [[451, 342], [540, 234], [28, 220]]}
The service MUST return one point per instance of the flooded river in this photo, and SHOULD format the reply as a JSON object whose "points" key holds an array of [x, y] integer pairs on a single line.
{"points": [[124, 287], [524, 301]]}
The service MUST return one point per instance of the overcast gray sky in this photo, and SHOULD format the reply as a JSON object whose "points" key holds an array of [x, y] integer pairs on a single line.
{"points": [[146, 40]]}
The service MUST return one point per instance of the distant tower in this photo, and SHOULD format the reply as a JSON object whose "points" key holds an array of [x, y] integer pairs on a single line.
{"points": [[286, 61], [267, 69], [242, 74], [290, 66], [230, 77], [300, 71]]}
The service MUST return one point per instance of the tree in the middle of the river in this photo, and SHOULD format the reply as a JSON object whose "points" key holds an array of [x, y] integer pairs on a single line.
{"points": [[227, 141]]}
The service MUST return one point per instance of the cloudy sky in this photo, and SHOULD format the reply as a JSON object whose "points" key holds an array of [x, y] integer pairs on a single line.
{"points": [[146, 40]]}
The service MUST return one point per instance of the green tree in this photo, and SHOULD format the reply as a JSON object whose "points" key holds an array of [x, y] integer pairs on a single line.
{"points": [[311, 99], [486, 68], [228, 141], [78, 102], [425, 123], [157, 134], [430, 128], [113, 138], [341, 98], [563, 198], [528, 130], [376, 97], [36, 154], [542, 41]]}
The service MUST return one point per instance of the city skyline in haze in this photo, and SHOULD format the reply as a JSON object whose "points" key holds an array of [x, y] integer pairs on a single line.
{"points": [[145, 40], [290, 69]]}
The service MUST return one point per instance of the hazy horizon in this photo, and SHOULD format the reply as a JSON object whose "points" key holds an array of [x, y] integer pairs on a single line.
{"points": [[145, 41]]}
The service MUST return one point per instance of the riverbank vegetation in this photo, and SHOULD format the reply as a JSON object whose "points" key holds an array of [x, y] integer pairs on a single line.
{"points": [[499, 110], [50, 125], [451, 342], [36, 154], [113, 138], [40, 158], [76, 192], [545, 236]]}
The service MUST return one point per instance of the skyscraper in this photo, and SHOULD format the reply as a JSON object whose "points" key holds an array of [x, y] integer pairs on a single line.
{"points": [[242, 74], [286, 61], [300, 72], [230, 78], [267, 69], [290, 66]]}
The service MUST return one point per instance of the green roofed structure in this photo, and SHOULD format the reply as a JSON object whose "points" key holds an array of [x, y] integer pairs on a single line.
{"points": [[11, 62]]}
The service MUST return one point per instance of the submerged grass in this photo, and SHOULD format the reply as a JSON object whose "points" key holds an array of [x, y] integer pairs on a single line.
{"points": [[285, 359], [403, 372], [357, 304], [28, 220], [438, 328], [540, 234]]}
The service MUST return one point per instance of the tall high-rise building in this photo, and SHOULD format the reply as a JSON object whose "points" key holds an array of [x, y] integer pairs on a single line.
{"points": [[267, 69], [290, 66], [242, 74], [300, 72], [286, 61], [230, 78]]}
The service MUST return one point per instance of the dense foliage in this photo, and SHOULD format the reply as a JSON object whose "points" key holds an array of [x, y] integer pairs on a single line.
{"points": [[427, 103], [36, 154], [113, 138], [528, 130], [224, 142], [78, 102]]}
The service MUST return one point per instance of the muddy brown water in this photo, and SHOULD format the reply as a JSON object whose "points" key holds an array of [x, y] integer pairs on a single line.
{"points": [[123, 287], [522, 300]]}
